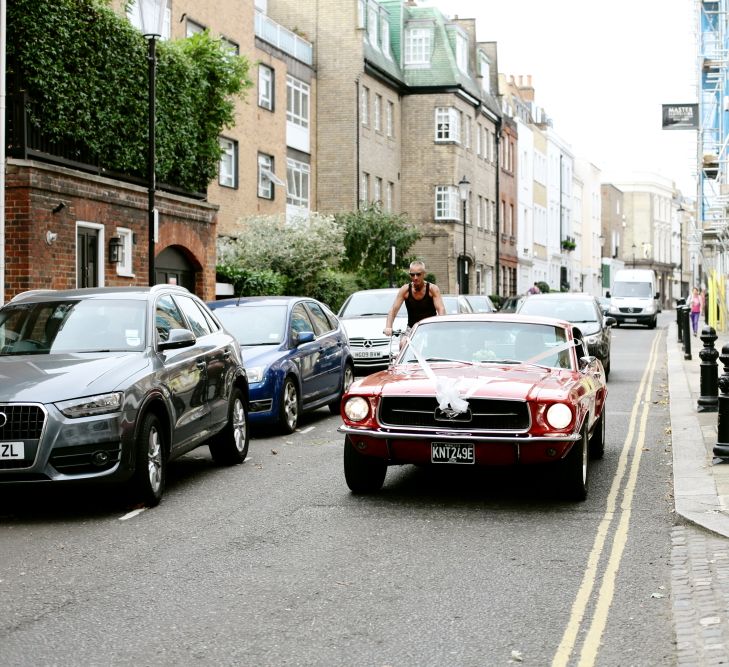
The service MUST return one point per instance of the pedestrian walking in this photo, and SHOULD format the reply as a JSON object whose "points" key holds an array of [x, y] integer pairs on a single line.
{"points": [[422, 299], [534, 289], [696, 303]]}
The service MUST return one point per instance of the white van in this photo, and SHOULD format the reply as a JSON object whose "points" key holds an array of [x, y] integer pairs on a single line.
{"points": [[634, 298]]}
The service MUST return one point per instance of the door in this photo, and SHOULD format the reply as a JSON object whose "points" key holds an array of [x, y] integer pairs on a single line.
{"points": [[330, 348], [87, 257], [172, 267]]}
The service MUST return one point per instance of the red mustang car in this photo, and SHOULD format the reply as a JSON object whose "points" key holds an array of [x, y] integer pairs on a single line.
{"points": [[488, 390]]}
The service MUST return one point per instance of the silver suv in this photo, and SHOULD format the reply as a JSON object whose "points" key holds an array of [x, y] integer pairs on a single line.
{"points": [[109, 384]]}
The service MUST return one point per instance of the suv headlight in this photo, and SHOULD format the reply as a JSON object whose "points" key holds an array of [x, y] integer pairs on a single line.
{"points": [[255, 373], [592, 340], [91, 405], [613, 309]]}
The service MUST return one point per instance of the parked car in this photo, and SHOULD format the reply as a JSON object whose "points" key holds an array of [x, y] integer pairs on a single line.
{"points": [[363, 316], [480, 303], [296, 354], [604, 304], [455, 304], [109, 384], [580, 309], [511, 303], [490, 390]]}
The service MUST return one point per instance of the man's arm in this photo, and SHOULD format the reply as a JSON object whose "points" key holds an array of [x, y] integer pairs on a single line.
{"points": [[399, 299], [437, 300]]}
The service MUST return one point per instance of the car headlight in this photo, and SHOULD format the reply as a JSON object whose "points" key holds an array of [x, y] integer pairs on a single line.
{"points": [[356, 408], [255, 373], [613, 309], [559, 415], [91, 405], [650, 308], [592, 340]]}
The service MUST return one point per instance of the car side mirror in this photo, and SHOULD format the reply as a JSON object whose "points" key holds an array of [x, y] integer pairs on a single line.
{"points": [[178, 338], [586, 362], [610, 321], [302, 337]]}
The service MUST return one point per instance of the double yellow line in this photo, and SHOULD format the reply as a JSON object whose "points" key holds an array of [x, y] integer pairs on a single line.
{"points": [[590, 580]]}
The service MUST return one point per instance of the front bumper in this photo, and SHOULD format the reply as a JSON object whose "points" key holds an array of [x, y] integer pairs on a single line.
{"points": [[398, 447]]}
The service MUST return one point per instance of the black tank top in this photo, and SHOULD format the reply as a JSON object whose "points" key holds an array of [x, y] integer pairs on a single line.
{"points": [[419, 309]]}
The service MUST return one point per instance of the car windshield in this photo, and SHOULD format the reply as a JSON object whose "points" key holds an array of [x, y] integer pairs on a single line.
{"points": [[451, 305], [255, 325], [480, 304], [90, 325], [574, 311], [642, 290], [478, 342], [366, 304]]}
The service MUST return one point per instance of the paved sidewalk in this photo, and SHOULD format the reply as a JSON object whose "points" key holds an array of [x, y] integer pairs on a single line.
{"points": [[700, 544]]}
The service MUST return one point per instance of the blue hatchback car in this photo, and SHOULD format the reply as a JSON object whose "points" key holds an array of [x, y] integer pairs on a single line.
{"points": [[296, 354]]}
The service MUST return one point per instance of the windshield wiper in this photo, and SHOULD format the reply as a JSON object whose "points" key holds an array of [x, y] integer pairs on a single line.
{"points": [[369, 315]]}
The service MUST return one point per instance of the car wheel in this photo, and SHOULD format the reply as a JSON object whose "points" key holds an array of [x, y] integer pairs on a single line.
{"points": [[653, 323], [289, 410], [347, 380], [150, 464], [363, 474], [597, 441], [575, 470], [230, 446], [606, 366]]}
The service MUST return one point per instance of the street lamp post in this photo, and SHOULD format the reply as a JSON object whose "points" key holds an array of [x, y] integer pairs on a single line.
{"points": [[152, 14], [464, 191], [634, 255]]}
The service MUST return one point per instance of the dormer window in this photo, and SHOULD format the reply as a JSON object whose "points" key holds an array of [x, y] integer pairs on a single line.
{"points": [[484, 70], [385, 35], [418, 46], [462, 52], [373, 23]]}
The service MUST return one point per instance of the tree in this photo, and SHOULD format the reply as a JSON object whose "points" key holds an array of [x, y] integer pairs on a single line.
{"points": [[368, 235]]}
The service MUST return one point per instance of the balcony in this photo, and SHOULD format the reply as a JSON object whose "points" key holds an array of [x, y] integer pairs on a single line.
{"points": [[285, 40]]}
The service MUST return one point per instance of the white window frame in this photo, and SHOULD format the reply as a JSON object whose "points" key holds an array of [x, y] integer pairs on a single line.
{"points": [[389, 192], [377, 190], [228, 163], [265, 86], [361, 13], [385, 35], [373, 25], [446, 202], [447, 125], [418, 46], [390, 119], [484, 70], [297, 101], [266, 178], [100, 251], [378, 113], [298, 179], [124, 267], [193, 28], [364, 102], [462, 52], [364, 188]]}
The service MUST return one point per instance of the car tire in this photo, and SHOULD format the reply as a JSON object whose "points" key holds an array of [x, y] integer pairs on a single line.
{"points": [[230, 446], [597, 441], [347, 379], [290, 406], [363, 474], [606, 366], [653, 323], [575, 470], [150, 463]]}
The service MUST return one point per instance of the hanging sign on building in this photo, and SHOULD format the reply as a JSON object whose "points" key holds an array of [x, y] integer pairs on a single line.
{"points": [[680, 116]]}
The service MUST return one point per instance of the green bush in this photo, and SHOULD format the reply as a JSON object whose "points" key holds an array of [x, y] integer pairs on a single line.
{"points": [[85, 68], [253, 282]]}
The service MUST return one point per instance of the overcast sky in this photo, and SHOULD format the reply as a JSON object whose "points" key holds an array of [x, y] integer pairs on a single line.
{"points": [[601, 71]]}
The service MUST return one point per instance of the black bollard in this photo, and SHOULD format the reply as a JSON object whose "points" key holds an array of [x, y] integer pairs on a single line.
{"points": [[709, 393], [685, 319], [679, 328], [721, 448]]}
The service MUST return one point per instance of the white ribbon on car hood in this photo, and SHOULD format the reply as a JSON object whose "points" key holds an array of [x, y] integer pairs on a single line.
{"points": [[447, 392]]}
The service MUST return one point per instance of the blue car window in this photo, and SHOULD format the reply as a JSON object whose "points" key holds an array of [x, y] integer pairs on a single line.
{"points": [[300, 320], [318, 318]]}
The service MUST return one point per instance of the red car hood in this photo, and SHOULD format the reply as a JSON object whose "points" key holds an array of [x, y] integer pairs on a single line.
{"points": [[508, 381]]}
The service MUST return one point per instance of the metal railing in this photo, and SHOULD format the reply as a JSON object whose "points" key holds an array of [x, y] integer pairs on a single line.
{"points": [[286, 40]]}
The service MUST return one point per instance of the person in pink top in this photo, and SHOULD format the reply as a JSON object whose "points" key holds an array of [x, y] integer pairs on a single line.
{"points": [[696, 303]]}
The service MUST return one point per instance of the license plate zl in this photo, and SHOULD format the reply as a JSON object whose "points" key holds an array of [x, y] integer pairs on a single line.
{"points": [[447, 452], [12, 450]]}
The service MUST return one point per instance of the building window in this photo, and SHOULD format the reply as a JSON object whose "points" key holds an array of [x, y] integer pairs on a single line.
{"points": [[467, 132], [364, 188], [364, 103], [228, 165], [418, 46], [265, 176], [389, 192], [297, 183], [479, 205], [229, 46], [484, 70], [265, 87], [385, 35], [297, 102], [377, 192], [378, 113], [446, 124], [462, 52], [124, 267], [390, 119], [446, 202], [373, 25], [361, 7], [193, 28]]}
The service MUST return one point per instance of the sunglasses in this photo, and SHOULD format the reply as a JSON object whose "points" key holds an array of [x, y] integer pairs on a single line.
{"points": [[412, 275]]}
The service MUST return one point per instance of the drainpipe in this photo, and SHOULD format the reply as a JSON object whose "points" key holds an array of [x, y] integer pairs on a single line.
{"points": [[357, 130], [3, 45], [498, 204]]}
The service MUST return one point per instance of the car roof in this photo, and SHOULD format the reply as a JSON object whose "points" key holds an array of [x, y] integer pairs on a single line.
{"points": [[497, 317], [257, 301], [41, 295], [577, 296]]}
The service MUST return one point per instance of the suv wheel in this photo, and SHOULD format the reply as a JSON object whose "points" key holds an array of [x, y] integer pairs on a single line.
{"points": [[230, 446], [150, 463]]}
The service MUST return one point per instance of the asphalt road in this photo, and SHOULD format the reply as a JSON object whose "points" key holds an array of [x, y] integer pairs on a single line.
{"points": [[276, 563]]}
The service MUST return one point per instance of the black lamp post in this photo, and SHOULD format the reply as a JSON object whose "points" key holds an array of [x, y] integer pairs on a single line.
{"points": [[464, 191], [634, 255], [152, 14]]}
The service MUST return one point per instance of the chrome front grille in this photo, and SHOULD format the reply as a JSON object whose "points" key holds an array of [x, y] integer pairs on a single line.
{"points": [[483, 414], [368, 342]]}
